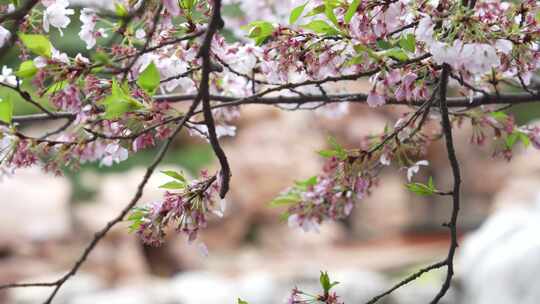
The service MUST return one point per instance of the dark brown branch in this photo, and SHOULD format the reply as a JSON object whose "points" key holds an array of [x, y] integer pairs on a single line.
{"points": [[42, 117], [21, 12], [28, 98], [454, 164], [453, 102], [215, 23], [407, 280]]}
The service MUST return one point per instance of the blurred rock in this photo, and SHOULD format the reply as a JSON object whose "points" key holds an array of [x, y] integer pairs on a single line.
{"points": [[82, 283], [280, 236], [269, 154], [358, 286], [499, 263], [203, 288], [257, 288], [35, 206], [150, 291], [385, 212]]}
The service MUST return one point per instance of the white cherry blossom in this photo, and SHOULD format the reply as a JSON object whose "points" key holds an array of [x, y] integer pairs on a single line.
{"points": [[56, 15], [412, 170], [5, 35]]}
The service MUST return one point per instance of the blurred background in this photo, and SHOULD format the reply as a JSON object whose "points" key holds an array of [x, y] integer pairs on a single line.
{"points": [[46, 221]]}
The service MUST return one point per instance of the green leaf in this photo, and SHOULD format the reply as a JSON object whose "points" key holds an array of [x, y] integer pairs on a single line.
{"points": [[37, 44], [173, 185], [360, 48], [511, 140], [296, 13], [149, 79], [525, 140], [316, 11], [329, 12], [355, 60], [57, 87], [178, 176], [136, 217], [260, 31], [408, 43], [328, 153], [286, 199], [119, 102], [321, 27], [121, 10], [6, 110], [304, 184], [351, 10], [240, 301], [26, 69], [421, 189], [396, 54], [340, 152], [499, 115], [326, 284], [516, 136], [187, 4], [383, 44]]}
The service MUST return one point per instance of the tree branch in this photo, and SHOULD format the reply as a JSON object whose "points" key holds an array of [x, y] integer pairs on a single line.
{"points": [[452, 225], [215, 23]]}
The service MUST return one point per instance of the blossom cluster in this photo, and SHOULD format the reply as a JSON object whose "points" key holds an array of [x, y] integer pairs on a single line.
{"points": [[185, 207]]}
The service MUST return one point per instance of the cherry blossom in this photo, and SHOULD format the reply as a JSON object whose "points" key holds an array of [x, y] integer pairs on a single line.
{"points": [[5, 35], [56, 15], [113, 153], [7, 77], [87, 34], [412, 170]]}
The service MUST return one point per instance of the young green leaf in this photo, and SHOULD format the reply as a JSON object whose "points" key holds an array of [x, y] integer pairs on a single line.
{"points": [[149, 79], [422, 189], [26, 69], [304, 184], [329, 12], [37, 44], [240, 301], [296, 13], [173, 185], [408, 43], [321, 27], [396, 54], [285, 199], [55, 87], [525, 140], [499, 115], [119, 102], [511, 140], [384, 44], [351, 10], [260, 31], [326, 284], [178, 176], [316, 11], [121, 10], [6, 110]]}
